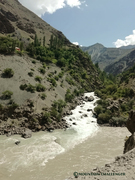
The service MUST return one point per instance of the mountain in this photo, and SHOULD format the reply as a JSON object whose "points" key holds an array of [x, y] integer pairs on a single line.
{"points": [[122, 65], [41, 81], [105, 56], [18, 21], [128, 47]]}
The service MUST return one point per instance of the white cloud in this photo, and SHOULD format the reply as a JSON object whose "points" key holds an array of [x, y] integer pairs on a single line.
{"points": [[40, 7], [129, 40], [76, 43]]}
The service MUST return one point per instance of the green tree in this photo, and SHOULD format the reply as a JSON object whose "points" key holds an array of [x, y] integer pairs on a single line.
{"points": [[36, 43], [44, 41]]}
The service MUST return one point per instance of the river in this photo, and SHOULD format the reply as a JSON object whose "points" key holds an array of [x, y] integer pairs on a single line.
{"points": [[56, 155]]}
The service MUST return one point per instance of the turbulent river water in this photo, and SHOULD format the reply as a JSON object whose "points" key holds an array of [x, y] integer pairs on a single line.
{"points": [[56, 155]]}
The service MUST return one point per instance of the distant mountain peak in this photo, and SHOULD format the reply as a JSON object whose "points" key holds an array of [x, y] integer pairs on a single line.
{"points": [[98, 44]]}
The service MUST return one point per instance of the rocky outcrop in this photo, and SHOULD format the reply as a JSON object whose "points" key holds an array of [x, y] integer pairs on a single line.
{"points": [[5, 25], [28, 27], [9, 15], [131, 122], [130, 142]]}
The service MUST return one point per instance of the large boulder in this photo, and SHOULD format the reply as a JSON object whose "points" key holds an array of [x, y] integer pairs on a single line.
{"points": [[130, 143], [27, 133], [131, 122], [91, 98]]}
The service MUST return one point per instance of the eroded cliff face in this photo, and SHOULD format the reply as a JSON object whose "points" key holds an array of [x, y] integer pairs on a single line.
{"points": [[130, 143]]}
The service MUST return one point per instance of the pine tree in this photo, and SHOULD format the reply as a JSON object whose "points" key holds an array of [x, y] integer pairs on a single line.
{"points": [[44, 41], [51, 41], [36, 40]]}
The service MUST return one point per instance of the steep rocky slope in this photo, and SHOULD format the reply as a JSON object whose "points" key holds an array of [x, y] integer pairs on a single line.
{"points": [[18, 21]]}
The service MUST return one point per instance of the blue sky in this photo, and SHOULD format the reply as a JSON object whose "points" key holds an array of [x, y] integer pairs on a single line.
{"points": [[109, 22]]}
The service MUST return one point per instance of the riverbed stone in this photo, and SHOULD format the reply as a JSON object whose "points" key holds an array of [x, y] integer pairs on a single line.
{"points": [[27, 133], [17, 142]]}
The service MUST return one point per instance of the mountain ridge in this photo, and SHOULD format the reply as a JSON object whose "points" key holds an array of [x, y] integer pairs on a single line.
{"points": [[105, 56]]}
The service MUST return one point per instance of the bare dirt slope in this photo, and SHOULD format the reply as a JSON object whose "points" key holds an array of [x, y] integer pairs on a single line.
{"points": [[21, 67]]}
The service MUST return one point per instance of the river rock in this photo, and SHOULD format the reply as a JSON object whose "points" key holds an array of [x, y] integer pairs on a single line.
{"points": [[17, 142], [27, 133], [89, 110], [69, 113], [91, 98]]}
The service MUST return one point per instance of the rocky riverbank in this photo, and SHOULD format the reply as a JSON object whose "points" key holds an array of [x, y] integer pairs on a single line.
{"points": [[123, 168], [23, 119], [18, 120]]}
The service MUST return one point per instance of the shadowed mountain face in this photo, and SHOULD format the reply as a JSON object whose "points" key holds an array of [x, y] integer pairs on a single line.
{"points": [[105, 56], [20, 22], [122, 65]]}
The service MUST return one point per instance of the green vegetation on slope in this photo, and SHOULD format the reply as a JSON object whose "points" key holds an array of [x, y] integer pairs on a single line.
{"points": [[72, 72], [117, 98]]}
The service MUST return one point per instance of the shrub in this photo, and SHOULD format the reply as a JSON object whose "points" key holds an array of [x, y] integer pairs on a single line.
{"points": [[44, 65], [7, 94], [42, 70], [31, 88], [56, 78], [68, 96], [30, 74], [58, 105], [1, 107], [118, 121], [40, 88], [20, 52], [43, 96], [61, 74], [38, 78], [46, 118], [76, 92], [54, 61], [23, 86], [124, 107], [50, 74], [98, 109], [70, 81], [53, 82], [33, 61], [8, 72], [103, 118], [32, 69], [98, 93], [13, 106]]}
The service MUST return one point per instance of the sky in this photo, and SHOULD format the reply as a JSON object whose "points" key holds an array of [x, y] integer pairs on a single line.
{"points": [[86, 22]]}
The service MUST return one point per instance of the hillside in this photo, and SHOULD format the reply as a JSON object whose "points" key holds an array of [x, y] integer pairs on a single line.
{"points": [[40, 82], [122, 65], [105, 56], [17, 21]]}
